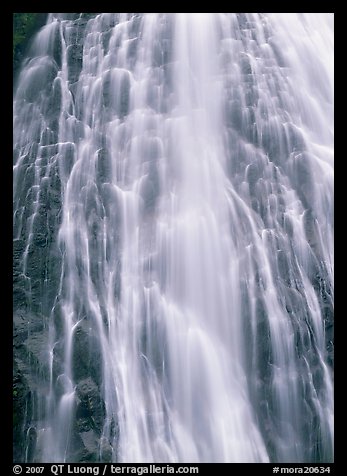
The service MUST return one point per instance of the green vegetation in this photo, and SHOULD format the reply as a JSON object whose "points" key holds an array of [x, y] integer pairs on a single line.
{"points": [[23, 24]]}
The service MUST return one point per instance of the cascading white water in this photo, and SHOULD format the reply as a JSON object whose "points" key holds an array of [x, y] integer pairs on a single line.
{"points": [[178, 168]]}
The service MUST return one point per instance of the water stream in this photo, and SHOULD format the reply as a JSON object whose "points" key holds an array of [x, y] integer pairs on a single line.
{"points": [[173, 212]]}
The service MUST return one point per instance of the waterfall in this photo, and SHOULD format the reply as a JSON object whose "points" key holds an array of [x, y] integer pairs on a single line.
{"points": [[173, 238]]}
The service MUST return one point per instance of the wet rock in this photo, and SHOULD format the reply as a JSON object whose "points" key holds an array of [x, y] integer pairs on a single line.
{"points": [[36, 345], [86, 359], [91, 442], [105, 36], [111, 202], [245, 64], [67, 157], [124, 94], [104, 166], [93, 448], [18, 248], [233, 114], [312, 232], [86, 389], [106, 450], [53, 103], [303, 179], [106, 89], [132, 49], [29, 380], [295, 138], [273, 140], [277, 51], [21, 394], [294, 302], [48, 137], [108, 21], [134, 26], [161, 53], [57, 48], [91, 404], [253, 173], [149, 193], [284, 267], [25, 323], [31, 439], [75, 59]]}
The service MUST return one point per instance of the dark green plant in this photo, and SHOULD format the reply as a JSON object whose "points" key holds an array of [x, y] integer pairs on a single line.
{"points": [[24, 27], [23, 24]]}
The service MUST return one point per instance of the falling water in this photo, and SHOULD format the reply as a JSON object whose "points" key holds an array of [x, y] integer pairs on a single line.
{"points": [[173, 219]]}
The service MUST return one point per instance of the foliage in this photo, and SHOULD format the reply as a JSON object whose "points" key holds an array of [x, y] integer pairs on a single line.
{"points": [[23, 24]]}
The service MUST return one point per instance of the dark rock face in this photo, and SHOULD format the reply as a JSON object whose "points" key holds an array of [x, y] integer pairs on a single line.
{"points": [[90, 414], [21, 398], [29, 337], [74, 57], [90, 408], [37, 263]]}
